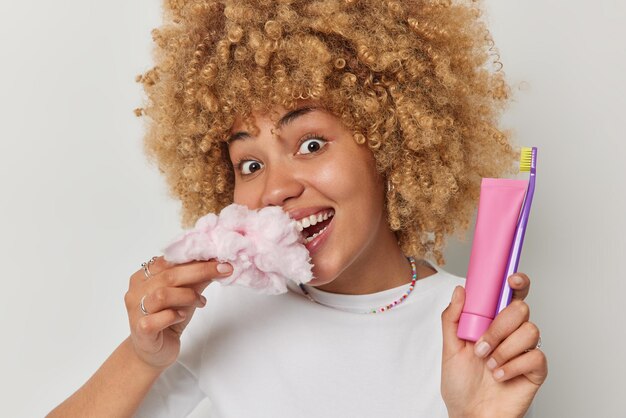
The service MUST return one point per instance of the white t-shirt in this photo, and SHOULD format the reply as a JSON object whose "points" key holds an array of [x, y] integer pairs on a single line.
{"points": [[280, 356]]}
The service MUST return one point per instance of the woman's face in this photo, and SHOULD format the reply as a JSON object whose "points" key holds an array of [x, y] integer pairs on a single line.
{"points": [[307, 162]]}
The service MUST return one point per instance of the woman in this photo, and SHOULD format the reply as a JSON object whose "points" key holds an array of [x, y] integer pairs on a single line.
{"points": [[375, 120]]}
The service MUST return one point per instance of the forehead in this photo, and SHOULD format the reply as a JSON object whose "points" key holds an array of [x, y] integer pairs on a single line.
{"points": [[278, 116]]}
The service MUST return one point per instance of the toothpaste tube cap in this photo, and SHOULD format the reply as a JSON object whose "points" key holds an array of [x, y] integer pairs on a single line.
{"points": [[472, 326]]}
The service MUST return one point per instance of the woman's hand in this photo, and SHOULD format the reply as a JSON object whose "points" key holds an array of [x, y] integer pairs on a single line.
{"points": [[170, 296], [500, 374]]}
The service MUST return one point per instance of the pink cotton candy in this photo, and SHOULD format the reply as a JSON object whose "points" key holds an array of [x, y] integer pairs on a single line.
{"points": [[263, 246]]}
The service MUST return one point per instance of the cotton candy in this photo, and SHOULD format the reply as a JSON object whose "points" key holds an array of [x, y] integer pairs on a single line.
{"points": [[263, 246]]}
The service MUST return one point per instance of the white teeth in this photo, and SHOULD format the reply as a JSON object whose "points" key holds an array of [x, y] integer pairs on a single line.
{"points": [[312, 237], [313, 220]]}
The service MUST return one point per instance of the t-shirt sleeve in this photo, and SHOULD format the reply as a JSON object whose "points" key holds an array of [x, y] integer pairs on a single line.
{"points": [[177, 391]]}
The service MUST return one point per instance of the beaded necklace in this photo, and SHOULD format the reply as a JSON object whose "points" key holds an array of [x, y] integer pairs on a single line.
{"points": [[382, 308]]}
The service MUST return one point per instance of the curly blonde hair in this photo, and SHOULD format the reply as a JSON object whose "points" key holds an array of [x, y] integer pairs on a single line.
{"points": [[410, 79]]}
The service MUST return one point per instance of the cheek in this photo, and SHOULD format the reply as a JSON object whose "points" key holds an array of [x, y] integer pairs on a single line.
{"points": [[352, 177], [244, 195]]}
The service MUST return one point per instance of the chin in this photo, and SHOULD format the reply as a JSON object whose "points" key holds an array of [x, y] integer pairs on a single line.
{"points": [[319, 280], [325, 270]]}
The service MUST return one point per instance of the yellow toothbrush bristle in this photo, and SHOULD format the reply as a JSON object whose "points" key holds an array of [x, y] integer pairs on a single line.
{"points": [[525, 159]]}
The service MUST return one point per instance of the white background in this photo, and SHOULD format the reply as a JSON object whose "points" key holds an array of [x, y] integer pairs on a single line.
{"points": [[81, 209]]}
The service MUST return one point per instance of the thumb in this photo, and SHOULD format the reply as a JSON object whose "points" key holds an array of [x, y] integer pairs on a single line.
{"points": [[450, 322]]}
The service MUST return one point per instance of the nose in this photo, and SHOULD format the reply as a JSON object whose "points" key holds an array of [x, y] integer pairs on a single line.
{"points": [[281, 184]]}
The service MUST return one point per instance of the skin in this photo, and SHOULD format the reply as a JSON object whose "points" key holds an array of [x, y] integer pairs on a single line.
{"points": [[503, 380], [275, 168], [360, 256]]}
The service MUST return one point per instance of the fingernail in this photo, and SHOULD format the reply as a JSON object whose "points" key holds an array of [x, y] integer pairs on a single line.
{"points": [[203, 299], [517, 280], [491, 364], [498, 374], [224, 268], [181, 313], [481, 349]]}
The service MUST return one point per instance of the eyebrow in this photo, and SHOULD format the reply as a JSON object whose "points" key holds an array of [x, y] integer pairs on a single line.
{"points": [[287, 118]]}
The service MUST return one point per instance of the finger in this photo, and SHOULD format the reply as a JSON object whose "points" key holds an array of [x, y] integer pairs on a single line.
{"points": [[154, 268], [522, 339], [172, 298], [196, 274], [533, 365], [503, 325], [147, 327], [520, 284], [450, 323]]}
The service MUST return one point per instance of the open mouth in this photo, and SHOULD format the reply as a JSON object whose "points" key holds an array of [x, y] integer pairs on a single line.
{"points": [[314, 225]]}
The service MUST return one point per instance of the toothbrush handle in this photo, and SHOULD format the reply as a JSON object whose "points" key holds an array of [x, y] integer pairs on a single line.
{"points": [[516, 250]]}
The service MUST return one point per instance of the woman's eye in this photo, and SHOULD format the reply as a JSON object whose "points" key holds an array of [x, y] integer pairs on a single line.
{"points": [[249, 167], [312, 145]]}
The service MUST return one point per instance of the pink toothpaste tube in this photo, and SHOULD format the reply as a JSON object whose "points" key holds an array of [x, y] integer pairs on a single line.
{"points": [[499, 209]]}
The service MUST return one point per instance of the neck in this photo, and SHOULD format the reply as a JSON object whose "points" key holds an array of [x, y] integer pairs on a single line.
{"points": [[379, 267]]}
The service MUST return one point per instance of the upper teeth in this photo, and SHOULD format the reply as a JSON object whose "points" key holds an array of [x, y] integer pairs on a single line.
{"points": [[313, 219]]}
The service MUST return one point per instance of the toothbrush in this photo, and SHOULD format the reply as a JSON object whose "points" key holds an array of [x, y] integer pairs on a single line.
{"points": [[528, 162]]}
